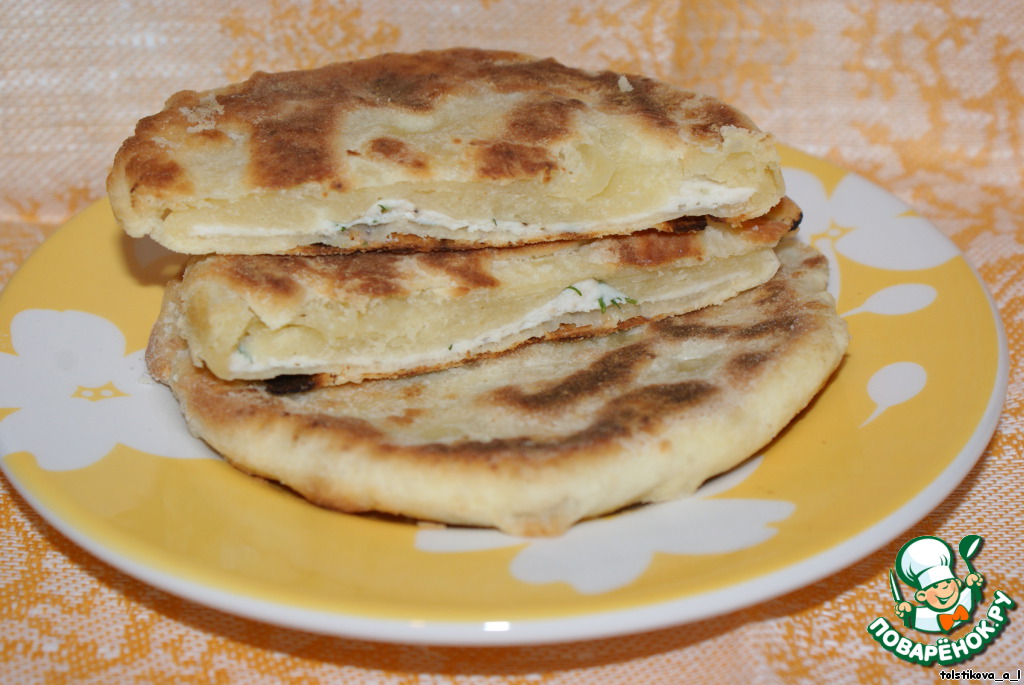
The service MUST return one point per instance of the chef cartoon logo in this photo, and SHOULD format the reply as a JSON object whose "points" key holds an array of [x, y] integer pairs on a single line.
{"points": [[937, 600], [944, 601]]}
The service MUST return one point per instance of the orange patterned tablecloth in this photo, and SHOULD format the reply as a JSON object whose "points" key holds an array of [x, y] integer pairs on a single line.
{"points": [[924, 97]]}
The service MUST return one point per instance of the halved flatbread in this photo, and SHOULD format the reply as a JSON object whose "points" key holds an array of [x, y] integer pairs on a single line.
{"points": [[454, 148], [351, 317], [537, 439]]}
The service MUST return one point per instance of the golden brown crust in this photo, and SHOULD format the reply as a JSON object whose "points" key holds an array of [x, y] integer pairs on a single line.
{"points": [[295, 114], [306, 132], [279, 277], [537, 439], [347, 318]]}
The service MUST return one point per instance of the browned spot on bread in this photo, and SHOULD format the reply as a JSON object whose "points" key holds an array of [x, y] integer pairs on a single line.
{"points": [[624, 415], [411, 390], [769, 327], [294, 114], [650, 100], [263, 273], [715, 116], [154, 172], [406, 88], [414, 81], [399, 152], [638, 409], [511, 73], [743, 364], [815, 262], [292, 149], [468, 267], [503, 160], [772, 294], [689, 326], [570, 331], [614, 368], [406, 418], [288, 385], [150, 167], [684, 224], [766, 232], [785, 216], [370, 274], [651, 248], [334, 423], [213, 135], [542, 121], [684, 327]]}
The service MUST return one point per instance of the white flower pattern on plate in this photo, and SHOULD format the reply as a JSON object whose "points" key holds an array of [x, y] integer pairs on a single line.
{"points": [[71, 384], [895, 384], [605, 554], [884, 234]]}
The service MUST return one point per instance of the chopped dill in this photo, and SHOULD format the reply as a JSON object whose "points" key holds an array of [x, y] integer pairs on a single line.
{"points": [[617, 301]]}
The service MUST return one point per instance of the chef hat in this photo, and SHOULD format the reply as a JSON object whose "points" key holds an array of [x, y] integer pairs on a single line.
{"points": [[924, 561]]}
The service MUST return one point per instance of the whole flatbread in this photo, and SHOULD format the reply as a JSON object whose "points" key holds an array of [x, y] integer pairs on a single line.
{"points": [[444, 149], [532, 441], [347, 318]]}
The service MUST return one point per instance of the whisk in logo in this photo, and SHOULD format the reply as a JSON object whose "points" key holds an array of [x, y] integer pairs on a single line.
{"points": [[942, 602]]}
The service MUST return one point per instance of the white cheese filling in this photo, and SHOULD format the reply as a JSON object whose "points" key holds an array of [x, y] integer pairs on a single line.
{"points": [[582, 296], [702, 196]]}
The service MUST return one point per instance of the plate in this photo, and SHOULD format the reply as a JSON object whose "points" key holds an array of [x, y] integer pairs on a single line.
{"points": [[101, 451]]}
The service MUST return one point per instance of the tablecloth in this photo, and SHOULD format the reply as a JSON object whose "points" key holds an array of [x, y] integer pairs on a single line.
{"points": [[924, 97]]}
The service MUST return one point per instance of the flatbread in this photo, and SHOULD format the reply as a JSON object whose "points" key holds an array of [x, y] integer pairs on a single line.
{"points": [[532, 441], [444, 149], [346, 318]]}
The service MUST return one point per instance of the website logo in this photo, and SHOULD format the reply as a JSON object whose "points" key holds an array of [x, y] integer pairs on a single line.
{"points": [[939, 602]]}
